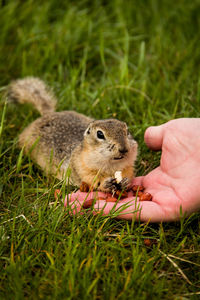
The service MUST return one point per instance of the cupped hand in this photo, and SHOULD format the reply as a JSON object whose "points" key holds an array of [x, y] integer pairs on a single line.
{"points": [[174, 185]]}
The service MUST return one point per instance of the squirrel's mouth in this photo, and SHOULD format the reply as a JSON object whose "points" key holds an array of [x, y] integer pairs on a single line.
{"points": [[118, 158]]}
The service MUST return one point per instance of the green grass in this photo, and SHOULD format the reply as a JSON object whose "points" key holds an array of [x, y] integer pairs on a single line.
{"points": [[137, 61]]}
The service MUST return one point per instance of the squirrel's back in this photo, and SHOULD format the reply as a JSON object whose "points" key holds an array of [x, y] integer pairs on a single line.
{"points": [[32, 90]]}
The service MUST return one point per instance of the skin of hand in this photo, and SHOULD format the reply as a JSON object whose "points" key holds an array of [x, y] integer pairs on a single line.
{"points": [[174, 185]]}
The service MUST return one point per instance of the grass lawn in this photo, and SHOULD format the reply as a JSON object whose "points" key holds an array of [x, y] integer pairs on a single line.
{"points": [[137, 61]]}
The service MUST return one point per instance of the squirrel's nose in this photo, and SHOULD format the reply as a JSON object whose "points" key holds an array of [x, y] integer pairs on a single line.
{"points": [[123, 150]]}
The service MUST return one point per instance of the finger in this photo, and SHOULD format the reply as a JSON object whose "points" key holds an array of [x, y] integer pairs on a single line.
{"points": [[153, 137], [78, 200], [123, 210], [74, 206], [147, 211], [81, 196], [151, 212], [128, 209]]}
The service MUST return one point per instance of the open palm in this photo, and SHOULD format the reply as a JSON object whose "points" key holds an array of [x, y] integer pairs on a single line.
{"points": [[175, 184]]}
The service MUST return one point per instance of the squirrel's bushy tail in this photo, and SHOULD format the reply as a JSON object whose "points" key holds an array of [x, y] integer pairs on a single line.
{"points": [[32, 90]]}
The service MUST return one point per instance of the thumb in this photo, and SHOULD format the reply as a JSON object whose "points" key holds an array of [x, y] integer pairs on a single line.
{"points": [[153, 137]]}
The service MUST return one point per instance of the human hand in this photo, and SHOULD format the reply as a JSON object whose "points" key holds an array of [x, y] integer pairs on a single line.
{"points": [[175, 184]]}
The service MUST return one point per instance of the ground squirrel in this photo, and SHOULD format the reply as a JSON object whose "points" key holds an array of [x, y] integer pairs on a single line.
{"points": [[58, 140]]}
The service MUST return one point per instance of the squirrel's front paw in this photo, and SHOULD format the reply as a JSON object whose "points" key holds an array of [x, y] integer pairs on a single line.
{"points": [[124, 184], [111, 185]]}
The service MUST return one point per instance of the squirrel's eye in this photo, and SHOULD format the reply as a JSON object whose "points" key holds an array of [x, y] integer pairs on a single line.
{"points": [[100, 135], [88, 132]]}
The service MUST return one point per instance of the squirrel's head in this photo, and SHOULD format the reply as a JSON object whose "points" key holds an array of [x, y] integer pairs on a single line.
{"points": [[109, 143]]}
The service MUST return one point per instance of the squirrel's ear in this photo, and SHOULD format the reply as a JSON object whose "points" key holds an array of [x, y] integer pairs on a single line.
{"points": [[87, 131]]}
